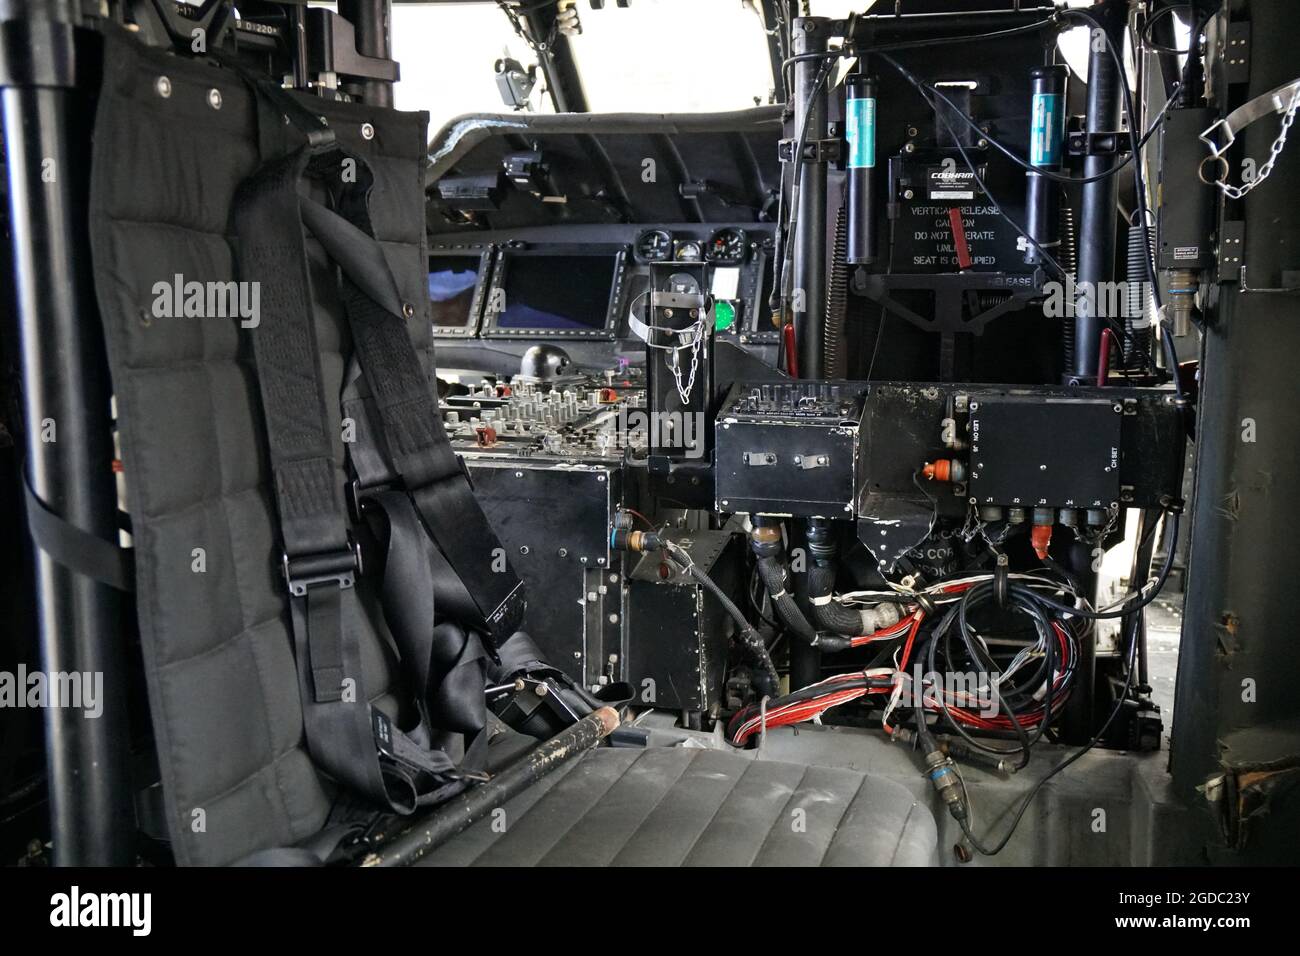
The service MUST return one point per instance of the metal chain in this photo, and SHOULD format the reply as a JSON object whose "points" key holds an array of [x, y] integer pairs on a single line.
{"points": [[684, 392], [1237, 192]]}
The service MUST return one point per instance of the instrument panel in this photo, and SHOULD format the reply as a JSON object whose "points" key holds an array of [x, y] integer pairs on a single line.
{"points": [[578, 283], [726, 245]]}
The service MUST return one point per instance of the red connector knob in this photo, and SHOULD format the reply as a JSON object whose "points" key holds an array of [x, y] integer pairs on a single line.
{"points": [[1041, 538], [944, 469]]}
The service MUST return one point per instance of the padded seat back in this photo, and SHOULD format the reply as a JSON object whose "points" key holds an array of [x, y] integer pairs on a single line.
{"points": [[174, 139]]}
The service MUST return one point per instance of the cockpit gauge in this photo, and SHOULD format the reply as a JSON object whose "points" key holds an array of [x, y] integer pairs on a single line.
{"points": [[726, 245], [654, 245], [688, 250], [683, 283]]}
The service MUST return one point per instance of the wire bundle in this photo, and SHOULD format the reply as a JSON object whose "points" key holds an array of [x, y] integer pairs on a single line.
{"points": [[808, 703], [1026, 693], [1025, 697]]}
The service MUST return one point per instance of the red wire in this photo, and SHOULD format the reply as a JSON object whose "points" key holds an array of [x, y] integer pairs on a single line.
{"points": [[806, 710]]}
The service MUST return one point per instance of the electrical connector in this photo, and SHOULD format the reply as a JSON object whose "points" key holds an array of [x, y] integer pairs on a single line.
{"points": [[942, 773]]}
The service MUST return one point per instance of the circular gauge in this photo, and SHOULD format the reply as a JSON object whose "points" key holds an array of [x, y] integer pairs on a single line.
{"points": [[654, 245], [726, 245], [688, 250], [683, 283]]}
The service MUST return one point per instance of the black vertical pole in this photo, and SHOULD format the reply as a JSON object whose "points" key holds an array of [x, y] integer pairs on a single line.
{"points": [[68, 432], [809, 288], [372, 23], [1098, 199]]}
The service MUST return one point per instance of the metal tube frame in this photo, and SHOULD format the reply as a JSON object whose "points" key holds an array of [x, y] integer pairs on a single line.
{"points": [[810, 240], [1098, 200], [66, 420]]}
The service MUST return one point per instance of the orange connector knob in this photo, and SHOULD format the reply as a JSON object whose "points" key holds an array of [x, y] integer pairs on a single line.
{"points": [[1041, 538], [944, 469]]}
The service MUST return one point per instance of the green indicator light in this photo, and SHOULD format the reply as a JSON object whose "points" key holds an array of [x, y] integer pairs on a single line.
{"points": [[724, 316]]}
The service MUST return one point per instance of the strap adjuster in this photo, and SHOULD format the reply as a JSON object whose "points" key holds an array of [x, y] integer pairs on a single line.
{"points": [[355, 494], [329, 567]]}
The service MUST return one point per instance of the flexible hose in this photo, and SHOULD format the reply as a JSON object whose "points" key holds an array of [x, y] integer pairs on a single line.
{"points": [[774, 579], [830, 615]]}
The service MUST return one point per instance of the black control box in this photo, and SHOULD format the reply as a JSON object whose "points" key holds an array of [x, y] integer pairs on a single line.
{"points": [[1187, 206], [789, 448], [677, 632], [1043, 451]]}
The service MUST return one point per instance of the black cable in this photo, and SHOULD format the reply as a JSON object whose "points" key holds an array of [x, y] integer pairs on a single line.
{"points": [[804, 57], [1191, 8], [1128, 606], [754, 603], [982, 594], [1029, 797], [1018, 598]]}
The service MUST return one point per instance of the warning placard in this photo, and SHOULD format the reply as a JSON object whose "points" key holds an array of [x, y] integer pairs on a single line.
{"points": [[928, 241]]}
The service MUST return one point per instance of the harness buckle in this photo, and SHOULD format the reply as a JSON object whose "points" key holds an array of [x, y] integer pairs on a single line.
{"points": [[305, 571]]}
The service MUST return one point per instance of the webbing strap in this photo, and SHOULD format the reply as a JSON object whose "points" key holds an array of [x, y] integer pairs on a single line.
{"points": [[413, 436], [78, 550], [446, 664], [352, 741]]}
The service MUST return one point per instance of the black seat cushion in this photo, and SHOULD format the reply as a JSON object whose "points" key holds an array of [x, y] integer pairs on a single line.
{"points": [[676, 806]]}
